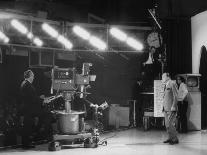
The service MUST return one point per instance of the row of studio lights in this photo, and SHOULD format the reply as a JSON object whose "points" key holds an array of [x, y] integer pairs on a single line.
{"points": [[79, 31], [23, 29]]}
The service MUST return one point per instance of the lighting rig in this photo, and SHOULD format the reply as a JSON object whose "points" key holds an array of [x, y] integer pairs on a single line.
{"points": [[23, 30]]}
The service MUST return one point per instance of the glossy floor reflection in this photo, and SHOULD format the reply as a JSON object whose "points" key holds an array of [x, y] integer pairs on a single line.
{"points": [[132, 142]]}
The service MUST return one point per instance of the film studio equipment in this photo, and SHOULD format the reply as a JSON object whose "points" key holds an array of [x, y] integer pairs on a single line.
{"points": [[67, 83]]}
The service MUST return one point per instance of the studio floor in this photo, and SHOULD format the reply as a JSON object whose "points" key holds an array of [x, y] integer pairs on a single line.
{"points": [[131, 142]]}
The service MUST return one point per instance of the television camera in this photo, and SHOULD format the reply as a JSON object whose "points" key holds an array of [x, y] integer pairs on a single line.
{"points": [[67, 83]]}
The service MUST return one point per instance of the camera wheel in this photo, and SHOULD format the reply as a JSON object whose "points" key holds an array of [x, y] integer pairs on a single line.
{"points": [[90, 143], [104, 143], [54, 146]]}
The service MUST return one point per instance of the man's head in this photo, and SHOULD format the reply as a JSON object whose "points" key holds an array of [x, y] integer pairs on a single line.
{"points": [[29, 75], [165, 77], [152, 49], [180, 79]]}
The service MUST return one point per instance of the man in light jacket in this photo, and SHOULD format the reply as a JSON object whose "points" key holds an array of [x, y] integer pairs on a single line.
{"points": [[170, 108]]}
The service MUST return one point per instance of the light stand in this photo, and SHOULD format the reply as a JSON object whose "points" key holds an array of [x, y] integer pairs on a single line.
{"points": [[96, 131]]}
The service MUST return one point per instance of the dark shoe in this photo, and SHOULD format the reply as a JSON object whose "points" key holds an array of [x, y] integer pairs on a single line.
{"points": [[184, 131], [167, 141], [173, 142], [28, 146]]}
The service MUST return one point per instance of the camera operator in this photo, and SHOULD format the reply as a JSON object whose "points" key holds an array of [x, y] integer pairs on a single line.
{"points": [[31, 109]]}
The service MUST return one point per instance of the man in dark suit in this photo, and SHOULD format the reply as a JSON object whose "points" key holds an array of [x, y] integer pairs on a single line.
{"points": [[170, 108], [31, 109]]}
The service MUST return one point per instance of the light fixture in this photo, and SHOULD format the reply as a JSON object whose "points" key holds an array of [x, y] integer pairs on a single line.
{"points": [[134, 43], [6, 40], [53, 33], [50, 30], [118, 34], [65, 42], [4, 37], [22, 29], [97, 43], [84, 34], [19, 26], [81, 32], [37, 41], [30, 35]]}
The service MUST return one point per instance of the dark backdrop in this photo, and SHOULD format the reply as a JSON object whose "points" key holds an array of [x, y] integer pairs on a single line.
{"points": [[177, 36]]}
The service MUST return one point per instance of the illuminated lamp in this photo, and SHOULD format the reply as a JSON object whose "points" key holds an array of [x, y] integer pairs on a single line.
{"points": [[37, 41], [50, 30], [118, 34], [19, 26], [97, 43], [81, 32], [65, 42], [134, 43]]}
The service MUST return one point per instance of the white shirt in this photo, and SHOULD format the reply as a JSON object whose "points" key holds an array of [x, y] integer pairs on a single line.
{"points": [[182, 92], [150, 59]]}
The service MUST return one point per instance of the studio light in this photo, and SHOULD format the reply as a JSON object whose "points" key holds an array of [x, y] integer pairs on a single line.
{"points": [[19, 26], [118, 34], [6, 40], [81, 32], [97, 43], [134, 43], [37, 41], [53, 33], [30, 35], [22, 29], [65, 42], [50, 30], [84, 34], [4, 37]]}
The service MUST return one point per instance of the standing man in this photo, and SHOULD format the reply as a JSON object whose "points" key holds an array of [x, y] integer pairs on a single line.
{"points": [[31, 109], [170, 108], [182, 104]]}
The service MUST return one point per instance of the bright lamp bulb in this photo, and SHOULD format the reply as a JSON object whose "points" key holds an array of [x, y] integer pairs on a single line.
{"points": [[65, 42], [4, 37], [118, 34], [81, 32], [30, 35], [134, 43], [50, 30], [19, 26], [6, 40], [38, 42], [97, 43]]}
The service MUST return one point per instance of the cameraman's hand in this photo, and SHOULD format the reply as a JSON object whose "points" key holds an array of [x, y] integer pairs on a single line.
{"points": [[46, 100], [42, 96]]}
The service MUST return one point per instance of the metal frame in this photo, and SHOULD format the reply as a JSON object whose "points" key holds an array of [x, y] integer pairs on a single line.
{"points": [[63, 27]]}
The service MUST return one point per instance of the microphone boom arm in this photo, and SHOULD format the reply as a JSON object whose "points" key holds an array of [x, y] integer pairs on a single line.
{"points": [[153, 16]]}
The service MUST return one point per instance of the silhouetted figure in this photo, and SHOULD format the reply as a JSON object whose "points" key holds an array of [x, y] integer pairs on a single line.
{"points": [[203, 84], [31, 108]]}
